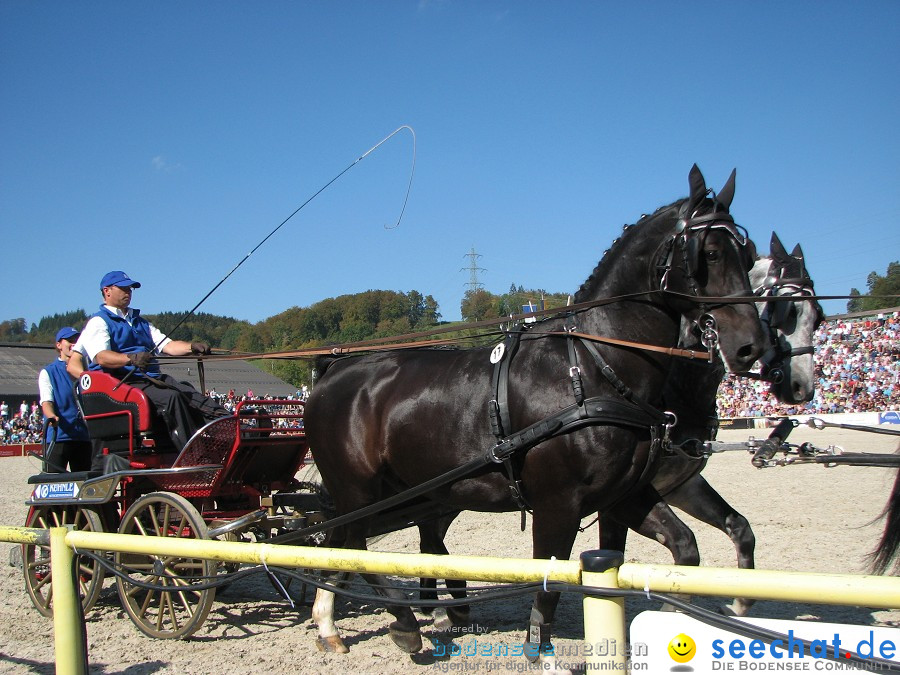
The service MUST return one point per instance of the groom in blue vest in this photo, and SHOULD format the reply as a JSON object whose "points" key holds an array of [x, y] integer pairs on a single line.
{"points": [[69, 442], [118, 340]]}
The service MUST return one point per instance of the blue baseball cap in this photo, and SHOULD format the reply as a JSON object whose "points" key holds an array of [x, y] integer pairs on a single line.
{"points": [[118, 278], [67, 333]]}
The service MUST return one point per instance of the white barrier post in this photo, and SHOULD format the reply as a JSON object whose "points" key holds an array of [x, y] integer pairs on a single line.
{"points": [[70, 657], [604, 618]]}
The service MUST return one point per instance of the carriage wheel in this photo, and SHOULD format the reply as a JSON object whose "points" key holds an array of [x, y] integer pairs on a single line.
{"points": [[175, 613], [36, 559]]}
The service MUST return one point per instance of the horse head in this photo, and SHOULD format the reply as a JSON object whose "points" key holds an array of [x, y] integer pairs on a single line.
{"points": [[696, 255], [791, 324]]}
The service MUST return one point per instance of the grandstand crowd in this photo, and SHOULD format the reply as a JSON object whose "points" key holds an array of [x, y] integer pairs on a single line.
{"points": [[25, 424], [857, 370]]}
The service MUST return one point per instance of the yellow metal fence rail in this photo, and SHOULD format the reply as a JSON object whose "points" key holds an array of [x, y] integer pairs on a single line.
{"points": [[604, 617]]}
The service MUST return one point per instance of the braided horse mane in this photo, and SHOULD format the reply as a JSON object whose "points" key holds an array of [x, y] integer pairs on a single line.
{"points": [[587, 288]]}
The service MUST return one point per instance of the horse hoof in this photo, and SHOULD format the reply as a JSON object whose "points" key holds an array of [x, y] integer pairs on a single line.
{"points": [[333, 644], [450, 618], [442, 620], [410, 641], [459, 616]]}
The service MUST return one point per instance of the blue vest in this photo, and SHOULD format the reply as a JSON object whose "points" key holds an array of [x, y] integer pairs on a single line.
{"points": [[71, 427], [128, 338]]}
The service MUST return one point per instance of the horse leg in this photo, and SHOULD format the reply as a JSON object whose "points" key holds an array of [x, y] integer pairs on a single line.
{"points": [[648, 515], [323, 614], [613, 534], [431, 540], [553, 535], [697, 498], [329, 639], [404, 631]]}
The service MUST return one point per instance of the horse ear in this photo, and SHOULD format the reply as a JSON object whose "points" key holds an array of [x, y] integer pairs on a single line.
{"points": [[726, 194], [777, 249], [797, 254], [698, 186]]}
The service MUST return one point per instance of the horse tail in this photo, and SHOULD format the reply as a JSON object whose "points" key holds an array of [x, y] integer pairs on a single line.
{"points": [[886, 552], [320, 365]]}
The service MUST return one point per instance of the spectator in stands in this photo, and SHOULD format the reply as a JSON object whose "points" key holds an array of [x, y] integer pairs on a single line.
{"points": [[70, 445], [4, 412], [118, 340]]}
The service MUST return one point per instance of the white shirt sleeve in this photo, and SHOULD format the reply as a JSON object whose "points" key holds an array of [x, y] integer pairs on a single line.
{"points": [[45, 386], [78, 347], [160, 339], [94, 338]]}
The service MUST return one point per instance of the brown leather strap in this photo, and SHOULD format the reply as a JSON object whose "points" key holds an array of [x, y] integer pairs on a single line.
{"points": [[670, 351]]}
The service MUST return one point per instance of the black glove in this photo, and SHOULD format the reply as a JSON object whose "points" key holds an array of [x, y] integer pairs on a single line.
{"points": [[139, 359], [200, 348]]}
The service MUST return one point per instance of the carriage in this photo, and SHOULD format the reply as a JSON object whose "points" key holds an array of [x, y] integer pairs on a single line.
{"points": [[236, 476]]}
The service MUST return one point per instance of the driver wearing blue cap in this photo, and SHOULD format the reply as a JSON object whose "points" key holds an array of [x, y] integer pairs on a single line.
{"points": [[118, 340], [69, 443]]}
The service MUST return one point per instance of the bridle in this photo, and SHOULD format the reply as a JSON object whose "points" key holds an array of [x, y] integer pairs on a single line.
{"points": [[776, 312], [691, 232]]}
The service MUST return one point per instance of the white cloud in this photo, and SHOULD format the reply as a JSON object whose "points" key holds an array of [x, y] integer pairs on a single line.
{"points": [[160, 164]]}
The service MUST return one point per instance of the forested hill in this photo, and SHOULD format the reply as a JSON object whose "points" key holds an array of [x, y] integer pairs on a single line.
{"points": [[343, 319]]}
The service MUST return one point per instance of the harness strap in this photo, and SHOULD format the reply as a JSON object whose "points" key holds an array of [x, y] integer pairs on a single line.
{"points": [[574, 370], [623, 389], [597, 410], [515, 489], [498, 410], [498, 407], [668, 351]]}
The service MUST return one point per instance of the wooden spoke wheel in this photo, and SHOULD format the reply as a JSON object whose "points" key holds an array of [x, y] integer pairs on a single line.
{"points": [[36, 559], [180, 609]]}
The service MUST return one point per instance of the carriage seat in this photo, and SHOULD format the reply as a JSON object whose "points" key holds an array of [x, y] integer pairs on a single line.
{"points": [[120, 418], [71, 476]]}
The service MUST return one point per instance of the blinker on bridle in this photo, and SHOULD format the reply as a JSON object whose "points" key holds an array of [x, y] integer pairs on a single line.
{"points": [[690, 234]]}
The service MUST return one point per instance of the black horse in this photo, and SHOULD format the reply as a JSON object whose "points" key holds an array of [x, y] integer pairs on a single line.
{"points": [[690, 393], [577, 438]]}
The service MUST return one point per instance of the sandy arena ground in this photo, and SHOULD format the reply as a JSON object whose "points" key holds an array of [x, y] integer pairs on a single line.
{"points": [[805, 518]]}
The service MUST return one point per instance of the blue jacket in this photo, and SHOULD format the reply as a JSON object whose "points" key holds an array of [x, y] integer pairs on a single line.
{"points": [[71, 426], [127, 339]]}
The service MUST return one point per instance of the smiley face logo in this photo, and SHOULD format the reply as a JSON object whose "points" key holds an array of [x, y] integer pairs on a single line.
{"points": [[682, 648]]}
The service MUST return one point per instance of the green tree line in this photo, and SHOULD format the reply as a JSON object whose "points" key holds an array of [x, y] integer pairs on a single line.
{"points": [[348, 318], [878, 285], [479, 304], [358, 317]]}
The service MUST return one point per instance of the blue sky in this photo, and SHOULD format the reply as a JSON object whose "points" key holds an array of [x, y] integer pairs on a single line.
{"points": [[168, 138]]}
